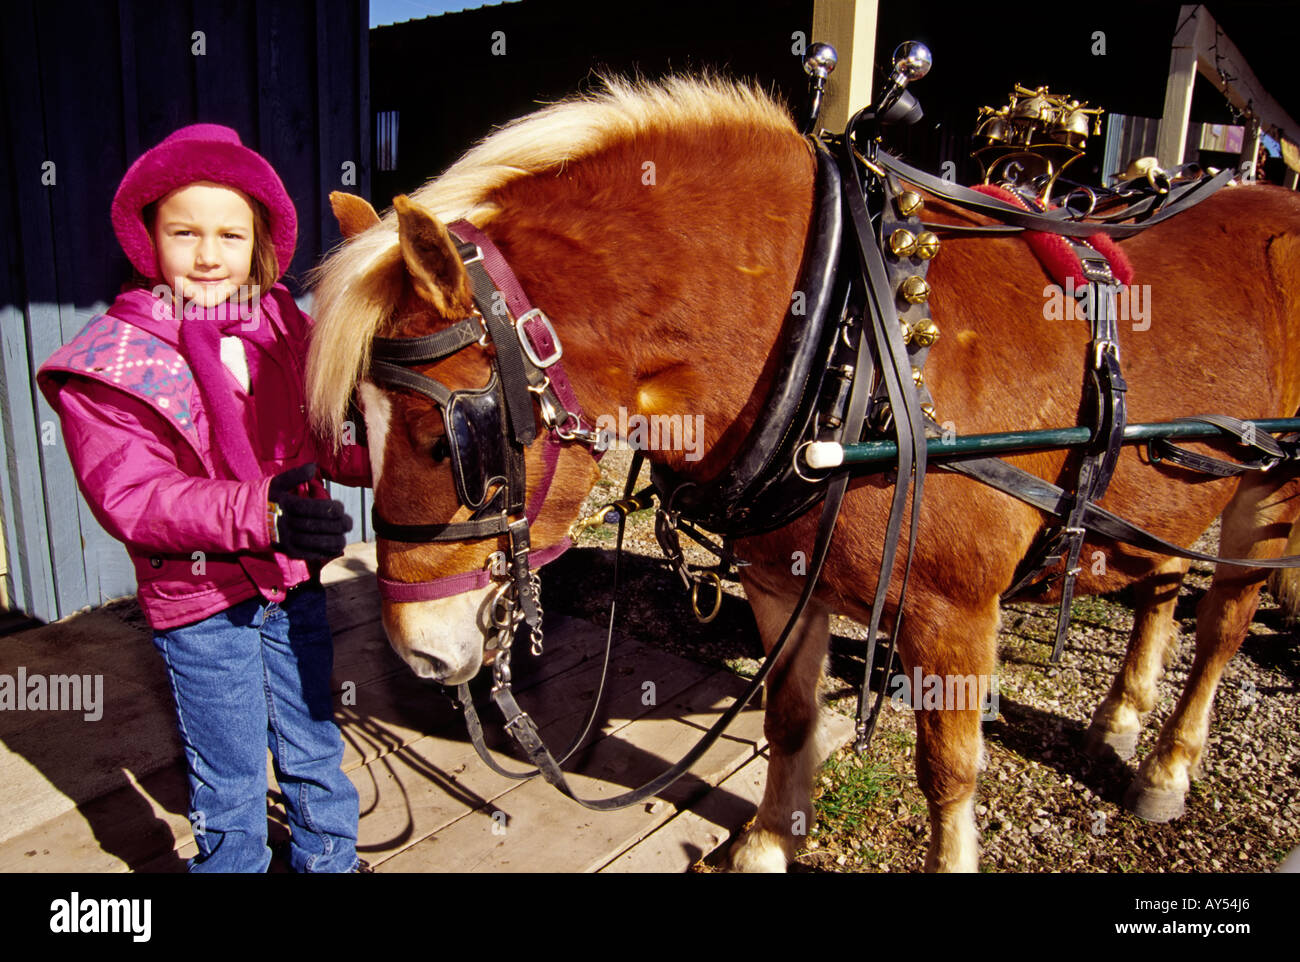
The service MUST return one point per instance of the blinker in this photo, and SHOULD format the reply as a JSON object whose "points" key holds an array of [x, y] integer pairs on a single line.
{"points": [[475, 429]]}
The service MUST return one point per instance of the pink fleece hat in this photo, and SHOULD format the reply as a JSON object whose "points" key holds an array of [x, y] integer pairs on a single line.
{"points": [[199, 152]]}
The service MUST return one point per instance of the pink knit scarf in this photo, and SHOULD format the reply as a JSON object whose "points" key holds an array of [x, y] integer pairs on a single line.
{"points": [[201, 330]]}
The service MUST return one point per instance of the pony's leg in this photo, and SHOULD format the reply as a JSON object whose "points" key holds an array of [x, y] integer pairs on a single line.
{"points": [[1117, 723], [949, 744], [1255, 525], [791, 725]]}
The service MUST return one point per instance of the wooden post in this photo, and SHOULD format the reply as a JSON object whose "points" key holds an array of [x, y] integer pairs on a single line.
{"points": [[1172, 135], [4, 570], [1199, 44], [850, 27], [1250, 152]]}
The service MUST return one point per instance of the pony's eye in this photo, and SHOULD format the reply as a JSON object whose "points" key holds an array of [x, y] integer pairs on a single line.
{"points": [[441, 450]]}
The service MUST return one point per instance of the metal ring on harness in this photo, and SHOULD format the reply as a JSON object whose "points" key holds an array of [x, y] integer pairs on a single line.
{"points": [[798, 456], [717, 598], [501, 602], [1089, 195]]}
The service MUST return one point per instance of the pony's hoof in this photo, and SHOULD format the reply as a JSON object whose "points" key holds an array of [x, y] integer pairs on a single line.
{"points": [[759, 851], [1101, 743], [1154, 804]]}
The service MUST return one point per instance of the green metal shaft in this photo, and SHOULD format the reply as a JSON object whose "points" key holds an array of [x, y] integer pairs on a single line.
{"points": [[869, 452]]}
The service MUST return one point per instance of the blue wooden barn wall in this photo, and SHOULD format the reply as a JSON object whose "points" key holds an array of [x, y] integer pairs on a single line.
{"points": [[86, 88]]}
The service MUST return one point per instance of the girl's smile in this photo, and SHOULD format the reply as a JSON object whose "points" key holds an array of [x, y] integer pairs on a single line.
{"points": [[203, 234]]}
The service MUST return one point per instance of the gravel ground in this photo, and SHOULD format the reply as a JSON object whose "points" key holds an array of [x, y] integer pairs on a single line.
{"points": [[1042, 805]]}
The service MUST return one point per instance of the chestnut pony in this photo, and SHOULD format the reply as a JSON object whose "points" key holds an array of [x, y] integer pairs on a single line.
{"points": [[661, 229]]}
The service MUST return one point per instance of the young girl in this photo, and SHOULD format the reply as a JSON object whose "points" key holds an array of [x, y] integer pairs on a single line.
{"points": [[184, 413]]}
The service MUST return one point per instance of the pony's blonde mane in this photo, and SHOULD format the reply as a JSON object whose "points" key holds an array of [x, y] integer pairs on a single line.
{"points": [[351, 296]]}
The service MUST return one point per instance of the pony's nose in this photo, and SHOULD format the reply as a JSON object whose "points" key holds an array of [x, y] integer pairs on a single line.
{"points": [[440, 670]]}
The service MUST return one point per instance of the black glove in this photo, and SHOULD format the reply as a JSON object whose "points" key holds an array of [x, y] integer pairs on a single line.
{"points": [[312, 529]]}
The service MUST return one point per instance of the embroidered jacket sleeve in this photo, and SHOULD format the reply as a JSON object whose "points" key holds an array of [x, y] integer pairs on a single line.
{"points": [[146, 492]]}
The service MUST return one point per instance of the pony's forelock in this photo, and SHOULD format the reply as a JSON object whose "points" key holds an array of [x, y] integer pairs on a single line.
{"points": [[351, 297]]}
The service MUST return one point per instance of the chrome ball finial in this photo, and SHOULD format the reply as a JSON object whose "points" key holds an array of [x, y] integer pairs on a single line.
{"points": [[912, 61], [820, 61]]}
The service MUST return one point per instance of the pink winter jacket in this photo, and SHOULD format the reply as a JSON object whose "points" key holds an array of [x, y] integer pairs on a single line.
{"points": [[141, 447]]}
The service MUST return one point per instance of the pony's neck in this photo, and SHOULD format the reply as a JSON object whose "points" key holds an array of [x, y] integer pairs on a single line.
{"points": [[667, 276]]}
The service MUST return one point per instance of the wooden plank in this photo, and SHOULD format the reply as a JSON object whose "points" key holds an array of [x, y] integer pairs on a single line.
{"points": [[1177, 111], [29, 243], [335, 81], [399, 709], [691, 835], [133, 808], [850, 27], [65, 760], [4, 555], [225, 80], [696, 832], [143, 822], [521, 838], [1218, 57], [422, 787], [416, 792], [87, 157]]}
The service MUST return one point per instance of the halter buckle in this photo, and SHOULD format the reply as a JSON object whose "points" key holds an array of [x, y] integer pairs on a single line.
{"points": [[526, 342]]}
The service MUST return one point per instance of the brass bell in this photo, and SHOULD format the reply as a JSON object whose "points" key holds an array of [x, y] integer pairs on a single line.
{"points": [[902, 243], [929, 411], [915, 290], [994, 129], [909, 202], [925, 332], [907, 332], [927, 245], [1036, 109], [917, 377], [1071, 129]]}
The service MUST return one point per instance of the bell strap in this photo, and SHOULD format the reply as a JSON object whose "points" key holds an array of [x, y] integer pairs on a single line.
{"points": [[882, 332]]}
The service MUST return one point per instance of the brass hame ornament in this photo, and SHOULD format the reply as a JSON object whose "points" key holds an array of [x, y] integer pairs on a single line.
{"points": [[1033, 138]]}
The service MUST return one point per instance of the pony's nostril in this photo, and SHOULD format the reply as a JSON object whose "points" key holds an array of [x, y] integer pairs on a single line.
{"points": [[429, 666]]}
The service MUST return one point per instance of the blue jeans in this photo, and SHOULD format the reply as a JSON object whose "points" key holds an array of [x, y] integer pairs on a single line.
{"points": [[253, 676]]}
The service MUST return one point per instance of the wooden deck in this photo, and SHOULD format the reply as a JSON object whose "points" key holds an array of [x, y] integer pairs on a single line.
{"points": [[109, 795]]}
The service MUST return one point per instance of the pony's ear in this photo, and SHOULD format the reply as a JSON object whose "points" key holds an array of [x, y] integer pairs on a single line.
{"points": [[353, 213], [431, 259]]}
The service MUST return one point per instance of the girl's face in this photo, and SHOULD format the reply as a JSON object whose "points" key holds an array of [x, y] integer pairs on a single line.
{"points": [[203, 234]]}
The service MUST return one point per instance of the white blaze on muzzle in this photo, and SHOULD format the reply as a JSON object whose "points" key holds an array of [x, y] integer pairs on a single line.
{"points": [[441, 640]]}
